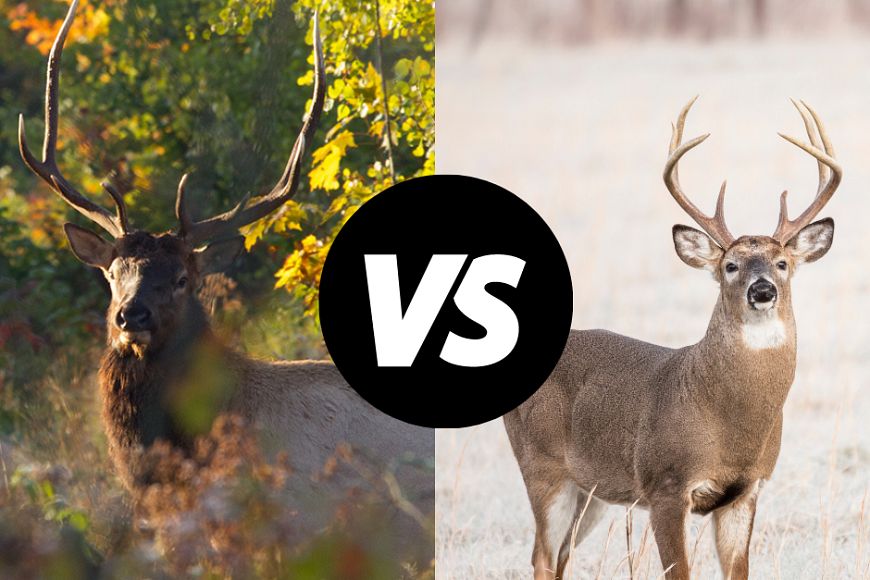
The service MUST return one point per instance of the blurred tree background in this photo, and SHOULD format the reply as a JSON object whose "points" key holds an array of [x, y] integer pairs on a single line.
{"points": [[589, 21], [151, 89]]}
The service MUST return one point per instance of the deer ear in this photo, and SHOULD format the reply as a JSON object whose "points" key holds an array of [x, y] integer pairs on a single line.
{"points": [[696, 248], [89, 247], [218, 256], [812, 242]]}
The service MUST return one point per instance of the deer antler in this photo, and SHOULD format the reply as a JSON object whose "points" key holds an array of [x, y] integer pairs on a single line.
{"points": [[232, 220], [47, 169], [830, 174], [715, 226]]}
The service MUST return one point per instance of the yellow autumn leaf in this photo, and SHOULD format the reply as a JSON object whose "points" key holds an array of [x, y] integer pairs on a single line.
{"points": [[327, 161], [288, 271], [336, 206], [371, 79], [253, 233], [309, 244], [376, 129]]}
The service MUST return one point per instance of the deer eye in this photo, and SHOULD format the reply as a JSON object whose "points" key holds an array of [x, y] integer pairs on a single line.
{"points": [[182, 282], [782, 265], [730, 267]]}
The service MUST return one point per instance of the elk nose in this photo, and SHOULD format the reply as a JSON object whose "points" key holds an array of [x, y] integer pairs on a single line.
{"points": [[761, 291], [133, 317]]}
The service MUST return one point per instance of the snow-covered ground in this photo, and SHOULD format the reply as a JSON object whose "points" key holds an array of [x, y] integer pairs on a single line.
{"points": [[581, 133]]}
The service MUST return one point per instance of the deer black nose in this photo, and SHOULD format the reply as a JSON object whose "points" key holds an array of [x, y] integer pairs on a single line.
{"points": [[134, 317], [761, 291]]}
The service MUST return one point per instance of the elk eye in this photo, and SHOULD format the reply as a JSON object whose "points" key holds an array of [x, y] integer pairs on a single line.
{"points": [[730, 267], [782, 265], [182, 282]]}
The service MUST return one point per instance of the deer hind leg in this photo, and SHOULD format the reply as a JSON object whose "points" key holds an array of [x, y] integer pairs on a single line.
{"points": [[588, 512], [555, 515], [668, 519], [733, 532]]}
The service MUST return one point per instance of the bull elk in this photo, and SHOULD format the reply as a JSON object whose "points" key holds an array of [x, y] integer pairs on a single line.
{"points": [[679, 431], [161, 351]]}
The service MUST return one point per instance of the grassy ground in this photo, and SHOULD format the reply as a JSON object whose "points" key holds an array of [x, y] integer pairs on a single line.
{"points": [[581, 134], [225, 512]]}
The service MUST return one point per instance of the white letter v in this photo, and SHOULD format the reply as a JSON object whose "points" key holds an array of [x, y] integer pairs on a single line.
{"points": [[398, 338]]}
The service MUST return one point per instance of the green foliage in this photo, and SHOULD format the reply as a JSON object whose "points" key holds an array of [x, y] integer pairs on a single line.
{"points": [[39, 487], [143, 102], [381, 130], [44, 299], [152, 89]]}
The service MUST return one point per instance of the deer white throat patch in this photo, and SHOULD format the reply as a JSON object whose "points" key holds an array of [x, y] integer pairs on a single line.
{"points": [[766, 332]]}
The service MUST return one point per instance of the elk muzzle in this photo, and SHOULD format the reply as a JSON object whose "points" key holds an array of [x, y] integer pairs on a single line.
{"points": [[135, 322], [761, 294], [134, 317]]}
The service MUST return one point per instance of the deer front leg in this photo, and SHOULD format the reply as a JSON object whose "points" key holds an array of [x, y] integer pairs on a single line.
{"points": [[668, 519], [733, 532], [542, 561]]}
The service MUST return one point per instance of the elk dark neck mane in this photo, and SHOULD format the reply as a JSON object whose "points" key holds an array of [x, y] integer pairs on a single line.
{"points": [[164, 394]]}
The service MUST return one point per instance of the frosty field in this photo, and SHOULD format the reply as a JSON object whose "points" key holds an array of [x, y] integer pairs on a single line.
{"points": [[581, 134]]}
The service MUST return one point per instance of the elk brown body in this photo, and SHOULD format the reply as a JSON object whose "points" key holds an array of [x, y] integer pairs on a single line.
{"points": [[677, 431]]}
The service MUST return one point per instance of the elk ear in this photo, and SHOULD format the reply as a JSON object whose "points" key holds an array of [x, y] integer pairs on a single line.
{"points": [[696, 248], [218, 256], [812, 242], [89, 247]]}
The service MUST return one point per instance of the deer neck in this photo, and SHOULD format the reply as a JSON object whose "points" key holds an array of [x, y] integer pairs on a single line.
{"points": [[745, 364], [171, 394]]}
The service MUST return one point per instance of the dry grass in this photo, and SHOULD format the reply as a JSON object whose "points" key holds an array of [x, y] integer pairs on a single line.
{"points": [[224, 511], [581, 134]]}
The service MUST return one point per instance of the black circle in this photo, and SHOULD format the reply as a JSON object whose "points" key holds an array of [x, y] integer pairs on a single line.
{"points": [[446, 214]]}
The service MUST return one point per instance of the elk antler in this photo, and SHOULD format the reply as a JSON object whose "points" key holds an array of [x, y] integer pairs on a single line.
{"points": [[47, 169], [830, 174], [715, 226], [232, 220]]}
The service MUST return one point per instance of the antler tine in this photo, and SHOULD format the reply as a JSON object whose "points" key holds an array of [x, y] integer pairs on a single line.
{"points": [[677, 129], [677, 132], [241, 214], [826, 142], [786, 229], [814, 139], [47, 169], [185, 223], [121, 213], [715, 226]]}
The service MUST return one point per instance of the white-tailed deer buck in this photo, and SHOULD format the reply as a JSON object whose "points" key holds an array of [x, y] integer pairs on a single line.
{"points": [[166, 376], [680, 431]]}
